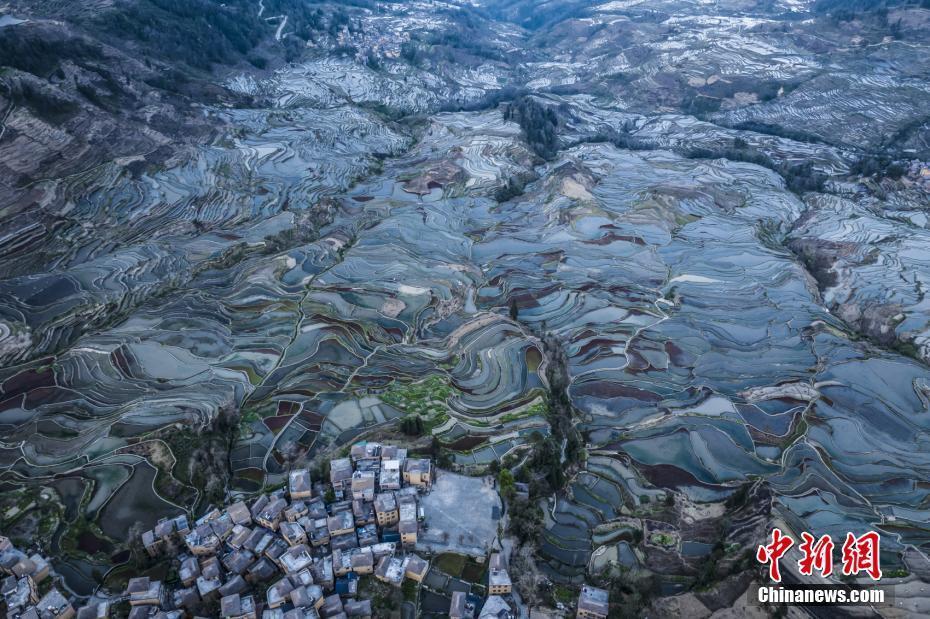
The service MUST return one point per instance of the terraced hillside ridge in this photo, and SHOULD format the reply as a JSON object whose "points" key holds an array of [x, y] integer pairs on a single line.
{"points": [[652, 271]]}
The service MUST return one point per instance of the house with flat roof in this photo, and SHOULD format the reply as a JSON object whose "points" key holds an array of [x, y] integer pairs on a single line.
{"points": [[407, 523], [316, 508], [270, 517], [365, 451], [340, 473], [364, 512], [181, 525], [386, 512], [258, 505], [389, 476], [341, 523], [239, 513], [295, 559], [363, 561], [495, 607], [238, 561], [299, 484], [383, 549], [202, 541], [222, 526], [393, 452], [260, 571], [54, 605], [234, 584], [279, 593], [293, 533], [415, 568], [323, 572], [143, 591], [332, 606], [189, 571], [592, 603], [346, 541], [208, 587], [367, 535], [318, 533], [238, 607], [164, 528], [418, 472], [390, 570], [185, 598], [499, 582], [296, 511], [342, 563], [239, 536], [363, 485]]}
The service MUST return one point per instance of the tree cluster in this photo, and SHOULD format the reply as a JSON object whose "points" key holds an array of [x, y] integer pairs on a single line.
{"points": [[879, 167], [205, 33], [41, 54], [799, 177], [440, 454], [208, 465], [47, 103], [630, 596], [412, 425], [539, 123], [526, 520]]}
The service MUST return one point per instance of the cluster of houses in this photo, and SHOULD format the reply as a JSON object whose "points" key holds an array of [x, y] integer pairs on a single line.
{"points": [[305, 553], [383, 38], [27, 589], [297, 553]]}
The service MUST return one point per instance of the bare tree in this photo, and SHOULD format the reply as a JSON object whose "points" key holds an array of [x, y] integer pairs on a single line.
{"points": [[134, 544], [528, 577]]}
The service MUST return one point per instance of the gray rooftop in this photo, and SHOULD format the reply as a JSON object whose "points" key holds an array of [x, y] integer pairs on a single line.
{"points": [[593, 599]]}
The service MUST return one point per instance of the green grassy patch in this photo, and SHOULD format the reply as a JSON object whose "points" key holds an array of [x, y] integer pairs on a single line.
{"points": [[563, 594], [119, 577], [83, 538], [426, 398], [536, 409], [385, 599], [450, 563], [409, 589], [896, 573], [473, 571], [182, 443], [662, 539]]}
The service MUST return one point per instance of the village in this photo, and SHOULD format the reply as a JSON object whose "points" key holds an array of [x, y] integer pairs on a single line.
{"points": [[306, 550]]}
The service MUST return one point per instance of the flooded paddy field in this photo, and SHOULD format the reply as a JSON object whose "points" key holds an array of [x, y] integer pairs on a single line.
{"points": [[699, 351]]}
